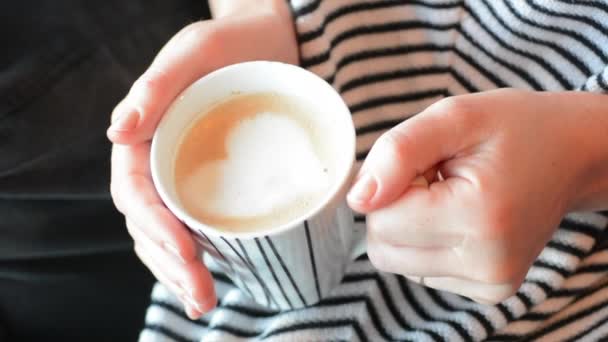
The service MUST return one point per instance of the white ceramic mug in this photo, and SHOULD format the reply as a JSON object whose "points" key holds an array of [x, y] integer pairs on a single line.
{"points": [[289, 266]]}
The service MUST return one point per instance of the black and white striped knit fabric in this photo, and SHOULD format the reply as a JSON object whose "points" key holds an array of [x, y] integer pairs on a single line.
{"points": [[390, 59]]}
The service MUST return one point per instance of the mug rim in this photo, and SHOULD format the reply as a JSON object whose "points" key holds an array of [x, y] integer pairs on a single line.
{"points": [[336, 190]]}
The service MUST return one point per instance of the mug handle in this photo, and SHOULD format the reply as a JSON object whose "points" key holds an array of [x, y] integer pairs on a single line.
{"points": [[359, 246]]}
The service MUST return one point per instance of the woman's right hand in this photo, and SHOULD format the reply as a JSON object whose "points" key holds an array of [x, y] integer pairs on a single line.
{"points": [[241, 31]]}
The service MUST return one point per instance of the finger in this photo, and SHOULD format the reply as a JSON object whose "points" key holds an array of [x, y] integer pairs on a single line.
{"points": [[192, 313], [177, 65], [141, 239], [420, 262], [422, 217], [135, 196], [477, 291], [192, 277], [193, 52], [156, 271], [189, 305], [409, 150]]}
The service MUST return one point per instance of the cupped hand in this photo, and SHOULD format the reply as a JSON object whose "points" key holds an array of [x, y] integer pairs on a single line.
{"points": [[162, 242], [510, 163]]}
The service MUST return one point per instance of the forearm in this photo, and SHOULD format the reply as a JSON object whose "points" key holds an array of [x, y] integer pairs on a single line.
{"points": [[223, 8], [241, 22]]}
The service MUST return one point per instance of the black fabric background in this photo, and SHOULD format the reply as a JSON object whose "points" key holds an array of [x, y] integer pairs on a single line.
{"points": [[67, 270]]}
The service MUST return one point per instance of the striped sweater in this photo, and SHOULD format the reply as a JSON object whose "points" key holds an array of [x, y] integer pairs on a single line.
{"points": [[390, 59]]}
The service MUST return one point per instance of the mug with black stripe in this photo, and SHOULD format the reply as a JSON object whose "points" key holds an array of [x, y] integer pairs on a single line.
{"points": [[256, 159]]}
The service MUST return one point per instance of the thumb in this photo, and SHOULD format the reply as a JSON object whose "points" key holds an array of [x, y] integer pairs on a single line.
{"points": [[196, 50], [401, 156], [177, 65]]}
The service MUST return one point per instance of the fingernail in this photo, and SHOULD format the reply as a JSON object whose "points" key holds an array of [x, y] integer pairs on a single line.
{"points": [[364, 189], [189, 307], [125, 120], [173, 250], [193, 314]]}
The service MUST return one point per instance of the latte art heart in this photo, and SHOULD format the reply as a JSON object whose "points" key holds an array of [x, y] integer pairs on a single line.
{"points": [[270, 165], [253, 162]]}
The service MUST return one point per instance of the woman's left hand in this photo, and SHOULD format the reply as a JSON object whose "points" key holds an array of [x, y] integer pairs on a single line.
{"points": [[511, 164]]}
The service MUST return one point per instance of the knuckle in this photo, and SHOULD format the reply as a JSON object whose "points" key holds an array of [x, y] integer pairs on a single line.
{"points": [[192, 29], [115, 192], [152, 82], [461, 109], [455, 105], [194, 32], [395, 144], [201, 35]]}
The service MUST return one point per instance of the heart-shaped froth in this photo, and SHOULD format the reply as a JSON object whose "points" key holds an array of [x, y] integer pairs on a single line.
{"points": [[270, 165]]}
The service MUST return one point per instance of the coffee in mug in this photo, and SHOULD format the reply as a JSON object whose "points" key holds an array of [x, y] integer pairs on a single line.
{"points": [[254, 161]]}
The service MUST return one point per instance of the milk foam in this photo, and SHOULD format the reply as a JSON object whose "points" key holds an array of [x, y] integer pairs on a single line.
{"points": [[271, 164]]}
